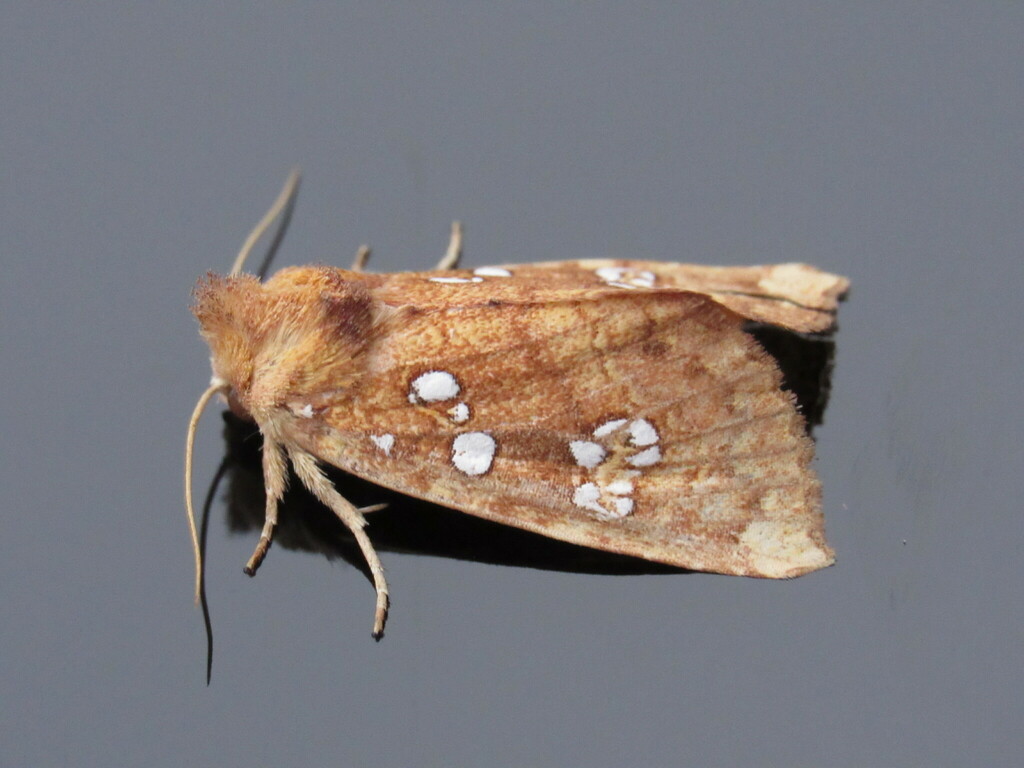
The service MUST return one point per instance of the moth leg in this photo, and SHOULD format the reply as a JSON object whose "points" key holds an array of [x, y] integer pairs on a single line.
{"points": [[362, 256], [316, 481], [451, 257], [275, 479]]}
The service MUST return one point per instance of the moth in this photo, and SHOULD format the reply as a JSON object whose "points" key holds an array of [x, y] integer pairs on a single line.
{"points": [[613, 404]]}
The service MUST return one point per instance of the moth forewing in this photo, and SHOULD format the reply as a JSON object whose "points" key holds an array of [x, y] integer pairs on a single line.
{"points": [[645, 424], [797, 297], [613, 404]]}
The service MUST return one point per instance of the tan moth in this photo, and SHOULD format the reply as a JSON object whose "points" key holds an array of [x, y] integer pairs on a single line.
{"points": [[613, 404]]}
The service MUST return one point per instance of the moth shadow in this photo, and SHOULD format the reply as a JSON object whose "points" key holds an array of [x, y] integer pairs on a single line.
{"points": [[406, 525], [806, 361]]}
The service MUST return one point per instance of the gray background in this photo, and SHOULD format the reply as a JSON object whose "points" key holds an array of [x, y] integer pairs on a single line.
{"points": [[140, 143]]}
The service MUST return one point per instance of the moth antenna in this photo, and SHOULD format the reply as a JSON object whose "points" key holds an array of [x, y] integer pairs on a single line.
{"points": [[362, 256], [285, 198], [215, 387], [451, 257]]}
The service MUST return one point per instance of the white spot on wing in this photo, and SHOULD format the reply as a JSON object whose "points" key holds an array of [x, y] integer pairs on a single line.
{"points": [[492, 272], [433, 386], [623, 507], [473, 452], [611, 497], [609, 274], [620, 487], [646, 458], [460, 413], [384, 442], [625, 277], [587, 496], [587, 454], [456, 279], [642, 432], [645, 279], [306, 411], [608, 427]]}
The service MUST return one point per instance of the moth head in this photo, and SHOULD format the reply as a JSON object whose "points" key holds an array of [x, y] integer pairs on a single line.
{"points": [[302, 330], [226, 308]]}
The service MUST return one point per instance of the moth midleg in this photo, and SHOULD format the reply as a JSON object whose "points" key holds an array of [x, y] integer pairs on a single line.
{"points": [[316, 481], [362, 256], [451, 257], [275, 479]]}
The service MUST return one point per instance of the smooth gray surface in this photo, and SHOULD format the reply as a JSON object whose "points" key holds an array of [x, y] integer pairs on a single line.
{"points": [[140, 142]]}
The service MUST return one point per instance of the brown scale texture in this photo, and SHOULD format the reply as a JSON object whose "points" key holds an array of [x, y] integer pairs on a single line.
{"points": [[709, 468]]}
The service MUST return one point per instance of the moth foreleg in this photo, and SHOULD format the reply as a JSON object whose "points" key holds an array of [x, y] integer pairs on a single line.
{"points": [[316, 481], [451, 257], [275, 479]]}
